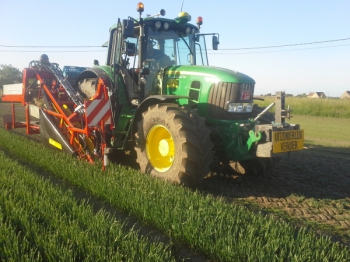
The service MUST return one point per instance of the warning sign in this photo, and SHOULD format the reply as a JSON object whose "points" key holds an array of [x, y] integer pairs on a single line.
{"points": [[285, 141]]}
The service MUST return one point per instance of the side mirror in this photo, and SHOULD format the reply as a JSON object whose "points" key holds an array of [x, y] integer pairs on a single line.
{"points": [[197, 38], [215, 42], [128, 28], [129, 48]]}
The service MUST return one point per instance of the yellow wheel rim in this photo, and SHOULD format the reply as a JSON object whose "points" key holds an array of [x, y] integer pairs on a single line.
{"points": [[160, 148]]}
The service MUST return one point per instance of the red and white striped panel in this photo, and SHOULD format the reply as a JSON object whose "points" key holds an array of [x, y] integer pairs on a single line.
{"points": [[96, 110]]}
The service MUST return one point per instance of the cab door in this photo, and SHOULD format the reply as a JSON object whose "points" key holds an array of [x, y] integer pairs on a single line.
{"points": [[121, 58]]}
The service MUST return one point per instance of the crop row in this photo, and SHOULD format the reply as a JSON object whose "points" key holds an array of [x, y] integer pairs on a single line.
{"points": [[202, 222], [40, 222]]}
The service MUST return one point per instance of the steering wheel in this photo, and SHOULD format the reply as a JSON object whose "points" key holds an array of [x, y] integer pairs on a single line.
{"points": [[159, 61]]}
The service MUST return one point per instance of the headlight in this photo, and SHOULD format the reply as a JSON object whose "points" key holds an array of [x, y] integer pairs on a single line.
{"points": [[239, 107]]}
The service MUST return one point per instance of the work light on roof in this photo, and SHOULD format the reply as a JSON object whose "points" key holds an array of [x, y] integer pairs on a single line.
{"points": [[158, 24], [166, 25], [140, 7], [199, 21]]}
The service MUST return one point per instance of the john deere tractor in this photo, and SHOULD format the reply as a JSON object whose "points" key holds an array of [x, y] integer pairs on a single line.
{"points": [[158, 96], [182, 115]]}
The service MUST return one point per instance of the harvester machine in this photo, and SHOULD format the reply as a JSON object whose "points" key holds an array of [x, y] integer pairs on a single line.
{"points": [[55, 110], [158, 96]]}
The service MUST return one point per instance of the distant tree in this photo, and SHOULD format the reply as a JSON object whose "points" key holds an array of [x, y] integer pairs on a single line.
{"points": [[289, 94], [302, 95], [268, 94], [9, 75]]}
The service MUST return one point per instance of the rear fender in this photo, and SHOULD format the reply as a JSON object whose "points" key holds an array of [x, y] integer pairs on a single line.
{"points": [[95, 73], [152, 100]]}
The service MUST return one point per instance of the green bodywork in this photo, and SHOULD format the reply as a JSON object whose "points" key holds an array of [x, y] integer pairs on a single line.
{"points": [[206, 75]]}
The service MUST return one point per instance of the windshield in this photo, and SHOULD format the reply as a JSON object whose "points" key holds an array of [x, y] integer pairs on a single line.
{"points": [[178, 46], [167, 48]]}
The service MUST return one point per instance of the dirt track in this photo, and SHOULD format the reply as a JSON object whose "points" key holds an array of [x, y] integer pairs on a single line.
{"points": [[311, 186]]}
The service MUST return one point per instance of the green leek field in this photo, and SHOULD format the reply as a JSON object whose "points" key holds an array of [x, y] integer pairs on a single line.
{"points": [[56, 208], [40, 221]]}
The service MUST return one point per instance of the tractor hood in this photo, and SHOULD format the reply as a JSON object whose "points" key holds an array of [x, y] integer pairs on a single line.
{"points": [[208, 74], [203, 84]]}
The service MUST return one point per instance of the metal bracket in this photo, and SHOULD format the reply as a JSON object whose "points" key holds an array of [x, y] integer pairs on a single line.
{"points": [[280, 112], [241, 151]]}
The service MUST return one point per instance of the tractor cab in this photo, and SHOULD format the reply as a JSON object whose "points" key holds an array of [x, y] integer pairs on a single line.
{"points": [[142, 49]]}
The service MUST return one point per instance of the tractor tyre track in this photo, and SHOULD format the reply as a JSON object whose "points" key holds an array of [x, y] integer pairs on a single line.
{"points": [[310, 187]]}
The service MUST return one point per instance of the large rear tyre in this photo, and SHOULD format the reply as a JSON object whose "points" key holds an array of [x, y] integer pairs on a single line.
{"points": [[173, 143]]}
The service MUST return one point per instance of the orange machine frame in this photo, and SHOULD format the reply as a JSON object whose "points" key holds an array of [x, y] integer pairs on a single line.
{"points": [[71, 124]]}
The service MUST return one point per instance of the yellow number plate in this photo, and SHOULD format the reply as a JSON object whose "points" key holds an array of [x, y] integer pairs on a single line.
{"points": [[285, 141]]}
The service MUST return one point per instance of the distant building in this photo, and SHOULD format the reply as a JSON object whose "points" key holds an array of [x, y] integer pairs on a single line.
{"points": [[346, 95], [316, 95]]}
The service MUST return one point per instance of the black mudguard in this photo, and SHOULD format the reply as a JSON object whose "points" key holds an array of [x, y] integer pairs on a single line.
{"points": [[151, 100]]}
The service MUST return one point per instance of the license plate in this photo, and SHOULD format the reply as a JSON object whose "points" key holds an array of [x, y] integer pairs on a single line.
{"points": [[245, 95], [286, 141]]}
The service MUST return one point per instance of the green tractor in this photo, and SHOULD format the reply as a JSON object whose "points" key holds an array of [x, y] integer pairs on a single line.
{"points": [[180, 115]]}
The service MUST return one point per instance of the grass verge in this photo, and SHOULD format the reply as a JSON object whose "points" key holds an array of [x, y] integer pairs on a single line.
{"points": [[325, 107]]}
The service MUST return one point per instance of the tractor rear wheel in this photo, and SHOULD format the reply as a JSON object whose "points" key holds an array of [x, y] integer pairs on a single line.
{"points": [[173, 143]]}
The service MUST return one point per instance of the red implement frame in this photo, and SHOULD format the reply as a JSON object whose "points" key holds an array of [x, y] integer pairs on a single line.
{"points": [[78, 129]]}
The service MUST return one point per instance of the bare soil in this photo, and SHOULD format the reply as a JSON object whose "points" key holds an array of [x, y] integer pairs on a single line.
{"points": [[310, 187]]}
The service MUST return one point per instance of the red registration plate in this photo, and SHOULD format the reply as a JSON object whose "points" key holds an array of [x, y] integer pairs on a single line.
{"points": [[245, 95]]}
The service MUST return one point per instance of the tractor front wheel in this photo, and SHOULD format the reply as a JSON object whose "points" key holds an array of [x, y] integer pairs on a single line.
{"points": [[173, 143]]}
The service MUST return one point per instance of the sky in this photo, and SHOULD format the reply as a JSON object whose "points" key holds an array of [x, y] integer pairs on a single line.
{"points": [[294, 46]]}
